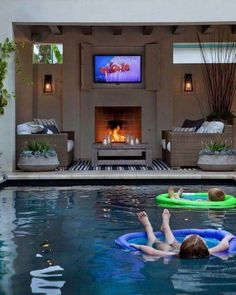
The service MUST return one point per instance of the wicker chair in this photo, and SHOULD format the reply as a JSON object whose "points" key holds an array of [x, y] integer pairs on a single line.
{"points": [[58, 141], [185, 146]]}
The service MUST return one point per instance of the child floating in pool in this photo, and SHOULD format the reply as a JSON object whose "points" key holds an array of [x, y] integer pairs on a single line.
{"points": [[193, 245], [214, 194]]}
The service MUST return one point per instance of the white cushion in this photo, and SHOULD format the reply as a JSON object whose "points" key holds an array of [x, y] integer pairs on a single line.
{"points": [[211, 127], [168, 146], [23, 129], [163, 143], [70, 145], [203, 128], [36, 128], [215, 127]]}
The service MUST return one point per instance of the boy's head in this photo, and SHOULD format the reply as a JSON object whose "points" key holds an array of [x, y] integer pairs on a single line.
{"points": [[215, 194], [193, 246]]}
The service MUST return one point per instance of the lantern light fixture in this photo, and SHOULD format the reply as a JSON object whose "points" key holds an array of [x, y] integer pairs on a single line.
{"points": [[47, 85], [188, 83]]}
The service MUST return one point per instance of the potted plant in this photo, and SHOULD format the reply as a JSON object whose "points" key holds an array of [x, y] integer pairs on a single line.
{"points": [[38, 156], [217, 156], [219, 74]]}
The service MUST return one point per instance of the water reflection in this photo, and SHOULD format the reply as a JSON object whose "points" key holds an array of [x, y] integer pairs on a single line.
{"points": [[7, 246], [79, 226], [45, 286], [203, 274]]}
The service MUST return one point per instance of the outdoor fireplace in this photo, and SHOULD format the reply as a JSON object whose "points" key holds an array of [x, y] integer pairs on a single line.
{"points": [[118, 124], [115, 131]]}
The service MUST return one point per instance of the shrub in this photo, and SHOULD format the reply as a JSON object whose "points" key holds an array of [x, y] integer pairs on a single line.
{"points": [[37, 148], [217, 147]]}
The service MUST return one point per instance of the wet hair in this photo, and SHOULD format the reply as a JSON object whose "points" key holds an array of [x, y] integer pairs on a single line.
{"points": [[215, 194], [193, 247]]}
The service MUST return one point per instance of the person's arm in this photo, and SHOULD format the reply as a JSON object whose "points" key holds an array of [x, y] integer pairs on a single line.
{"points": [[223, 245], [151, 251]]}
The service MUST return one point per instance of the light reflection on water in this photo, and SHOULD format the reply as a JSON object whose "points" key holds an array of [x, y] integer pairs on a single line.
{"points": [[80, 225]]}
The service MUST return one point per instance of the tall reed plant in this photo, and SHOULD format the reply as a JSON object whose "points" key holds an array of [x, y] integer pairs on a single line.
{"points": [[219, 73]]}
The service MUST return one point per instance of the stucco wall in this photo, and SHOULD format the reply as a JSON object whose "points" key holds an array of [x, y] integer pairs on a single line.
{"points": [[133, 11]]}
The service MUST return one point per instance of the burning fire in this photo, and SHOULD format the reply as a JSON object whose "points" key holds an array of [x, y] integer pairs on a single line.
{"points": [[115, 135]]}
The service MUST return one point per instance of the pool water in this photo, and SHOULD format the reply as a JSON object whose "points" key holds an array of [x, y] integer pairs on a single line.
{"points": [[192, 197], [61, 241]]}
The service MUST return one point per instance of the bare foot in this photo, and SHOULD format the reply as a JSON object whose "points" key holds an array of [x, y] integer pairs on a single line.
{"points": [[165, 219], [143, 218]]}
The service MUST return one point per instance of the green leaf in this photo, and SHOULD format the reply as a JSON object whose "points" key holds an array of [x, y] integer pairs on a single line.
{"points": [[6, 49]]}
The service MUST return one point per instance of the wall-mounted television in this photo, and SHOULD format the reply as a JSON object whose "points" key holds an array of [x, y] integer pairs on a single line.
{"points": [[117, 68]]}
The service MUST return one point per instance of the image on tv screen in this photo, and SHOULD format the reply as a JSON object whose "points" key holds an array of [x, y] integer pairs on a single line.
{"points": [[117, 69]]}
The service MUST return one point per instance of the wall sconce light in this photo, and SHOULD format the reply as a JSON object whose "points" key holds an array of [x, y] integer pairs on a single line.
{"points": [[47, 85], [188, 83]]}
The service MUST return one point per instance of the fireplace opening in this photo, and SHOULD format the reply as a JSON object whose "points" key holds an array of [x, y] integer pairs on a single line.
{"points": [[117, 124], [115, 131]]}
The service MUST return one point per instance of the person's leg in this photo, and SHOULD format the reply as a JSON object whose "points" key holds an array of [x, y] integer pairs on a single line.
{"points": [[143, 218], [179, 193], [152, 239], [171, 193], [169, 237]]}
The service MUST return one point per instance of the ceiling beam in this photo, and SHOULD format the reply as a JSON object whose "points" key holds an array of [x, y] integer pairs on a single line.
{"points": [[87, 30], [147, 30], [56, 30], [117, 30], [177, 30], [36, 37], [208, 29]]}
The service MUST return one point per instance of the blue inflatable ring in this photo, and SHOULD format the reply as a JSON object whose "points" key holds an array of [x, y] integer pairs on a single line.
{"points": [[211, 236]]}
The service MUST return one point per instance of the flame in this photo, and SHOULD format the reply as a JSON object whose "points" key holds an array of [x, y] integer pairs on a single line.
{"points": [[115, 135]]}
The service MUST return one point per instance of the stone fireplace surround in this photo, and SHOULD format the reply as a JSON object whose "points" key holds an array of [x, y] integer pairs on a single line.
{"points": [[145, 100], [128, 117]]}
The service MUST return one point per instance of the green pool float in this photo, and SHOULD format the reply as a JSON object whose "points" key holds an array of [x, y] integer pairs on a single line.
{"points": [[195, 200]]}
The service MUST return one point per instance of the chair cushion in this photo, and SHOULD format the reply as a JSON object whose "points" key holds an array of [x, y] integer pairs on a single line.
{"points": [[23, 128], [52, 128], [168, 146], [36, 128], [46, 131], [163, 143], [47, 122], [211, 127], [192, 123], [70, 145], [181, 129]]}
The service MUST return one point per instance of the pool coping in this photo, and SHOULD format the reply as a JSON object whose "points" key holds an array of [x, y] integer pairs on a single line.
{"points": [[116, 177]]}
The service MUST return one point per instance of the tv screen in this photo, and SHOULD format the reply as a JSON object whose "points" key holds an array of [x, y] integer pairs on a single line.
{"points": [[117, 69]]}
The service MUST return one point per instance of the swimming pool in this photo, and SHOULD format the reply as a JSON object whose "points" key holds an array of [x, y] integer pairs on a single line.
{"points": [[80, 225]]}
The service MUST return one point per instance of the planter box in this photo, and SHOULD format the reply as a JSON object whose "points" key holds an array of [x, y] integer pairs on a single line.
{"points": [[38, 164], [217, 162]]}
